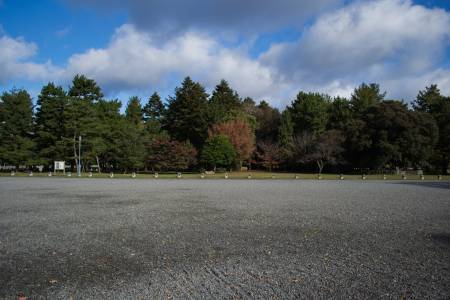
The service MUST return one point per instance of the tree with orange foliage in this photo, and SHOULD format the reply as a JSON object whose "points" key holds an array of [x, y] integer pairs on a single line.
{"points": [[240, 134]]}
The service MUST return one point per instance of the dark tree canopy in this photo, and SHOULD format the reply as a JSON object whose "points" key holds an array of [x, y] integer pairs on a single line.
{"points": [[315, 132], [187, 114], [154, 109], [366, 96], [309, 112], [16, 128]]}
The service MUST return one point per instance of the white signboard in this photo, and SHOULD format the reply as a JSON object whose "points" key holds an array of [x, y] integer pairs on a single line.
{"points": [[60, 165]]}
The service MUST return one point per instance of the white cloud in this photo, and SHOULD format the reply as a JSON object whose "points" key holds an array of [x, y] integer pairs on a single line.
{"points": [[134, 60], [391, 42], [15, 61], [380, 41]]}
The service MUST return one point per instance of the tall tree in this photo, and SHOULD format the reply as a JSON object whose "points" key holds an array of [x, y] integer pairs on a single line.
{"points": [[186, 117], [81, 118], [309, 112], [85, 89], [16, 125], [268, 120], [154, 109], [223, 101], [366, 96], [50, 124], [340, 114], [133, 111], [431, 101]]}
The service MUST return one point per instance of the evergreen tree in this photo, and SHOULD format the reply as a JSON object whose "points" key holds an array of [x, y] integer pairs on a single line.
{"points": [[309, 112], [223, 101], [154, 109], [186, 117], [85, 89], [16, 128], [50, 124], [81, 118], [366, 96], [133, 111], [268, 120]]}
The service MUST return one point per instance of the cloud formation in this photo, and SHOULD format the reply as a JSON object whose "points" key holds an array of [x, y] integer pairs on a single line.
{"points": [[376, 41], [15, 61], [339, 50], [229, 16]]}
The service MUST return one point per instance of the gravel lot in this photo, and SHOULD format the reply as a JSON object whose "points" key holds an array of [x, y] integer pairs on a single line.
{"points": [[132, 239]]}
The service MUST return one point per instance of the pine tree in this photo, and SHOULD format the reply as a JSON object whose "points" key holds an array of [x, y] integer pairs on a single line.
{"points": [[50, 126], [154, 109], [186, 117], [133, 111], [16, 126], [223, 101]]}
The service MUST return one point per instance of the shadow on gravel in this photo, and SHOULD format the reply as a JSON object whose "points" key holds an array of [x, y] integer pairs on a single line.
{"points": [[432, 184], [442, 238]]}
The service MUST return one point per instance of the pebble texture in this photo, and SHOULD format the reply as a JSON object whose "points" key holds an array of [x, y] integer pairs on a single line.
{"points": [[150, 239]]}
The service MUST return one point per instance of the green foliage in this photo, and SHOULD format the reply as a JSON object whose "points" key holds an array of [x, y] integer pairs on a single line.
{"points": [[223, 101], [16, 128], [309, 112], [133, 112], [366, 96], [187, 115], [50, 124], [218, 152], [154, 109], [363, 132], [85, 89], [268, 120]]}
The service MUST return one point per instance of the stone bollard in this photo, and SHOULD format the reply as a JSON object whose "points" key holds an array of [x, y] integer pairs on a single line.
{"points": [[69, 174], [319, 176], [363, 177], [226, 175], [202, 175], [422, 177], [384, 177], [13, 173], [296, 176], [341, 177], [179, 175], [90, 174], [156, 175], [249, 176], [133, 175], [49, 174], [273, 176], [111, 175], [30, 174], [404, 177], [439, 177]]}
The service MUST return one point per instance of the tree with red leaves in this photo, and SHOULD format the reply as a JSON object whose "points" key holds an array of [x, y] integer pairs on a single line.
{"points": [[240, 134]]}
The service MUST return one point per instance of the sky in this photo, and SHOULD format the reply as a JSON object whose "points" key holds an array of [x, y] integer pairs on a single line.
{"points": [[267, 50]]}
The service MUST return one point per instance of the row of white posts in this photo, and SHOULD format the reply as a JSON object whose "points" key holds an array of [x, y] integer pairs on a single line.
{"points": [[226, 176]]}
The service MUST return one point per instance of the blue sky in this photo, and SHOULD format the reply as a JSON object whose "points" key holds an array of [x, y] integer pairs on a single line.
{"points": [[267, 50]]}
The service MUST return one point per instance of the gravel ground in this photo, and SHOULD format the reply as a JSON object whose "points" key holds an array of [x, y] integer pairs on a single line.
{"points": [[132, 239]]}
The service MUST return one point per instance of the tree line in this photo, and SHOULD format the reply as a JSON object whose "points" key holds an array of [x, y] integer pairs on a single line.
{"points": [[196, 131]]}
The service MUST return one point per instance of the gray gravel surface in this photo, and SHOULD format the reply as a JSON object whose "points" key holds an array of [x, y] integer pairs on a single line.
{"points": [[147, 239]]}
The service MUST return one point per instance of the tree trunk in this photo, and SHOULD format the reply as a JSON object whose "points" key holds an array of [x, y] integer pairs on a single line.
{"points": [[75, 151], [98, 164], [320, 165]]}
